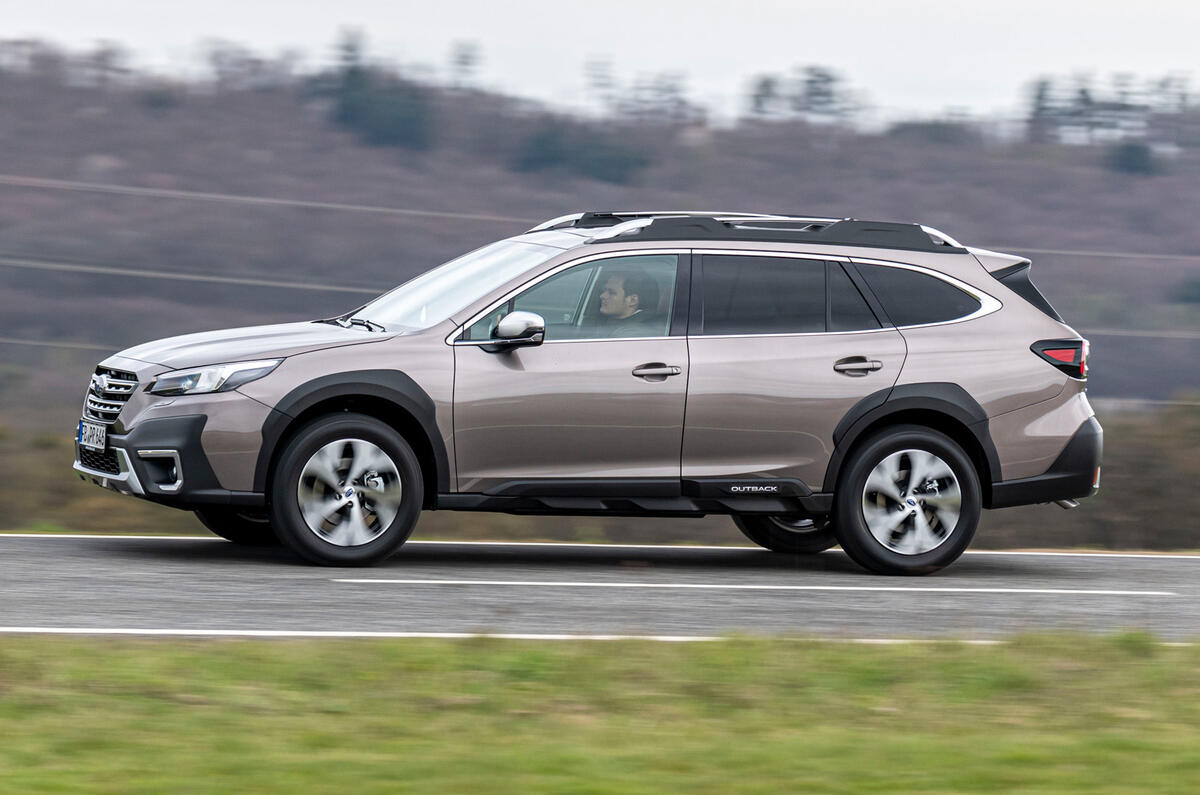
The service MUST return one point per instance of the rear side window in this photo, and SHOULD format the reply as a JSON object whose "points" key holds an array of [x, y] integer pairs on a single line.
{"points": [[762, 295], [848, 311], [911, 298]]}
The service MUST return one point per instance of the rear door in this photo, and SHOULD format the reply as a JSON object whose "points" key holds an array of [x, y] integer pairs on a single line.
{"points": [[781, 347], [602, 399]]}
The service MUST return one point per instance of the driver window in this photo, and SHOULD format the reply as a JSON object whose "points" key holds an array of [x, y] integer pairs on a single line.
{"points": [[617, 297]]}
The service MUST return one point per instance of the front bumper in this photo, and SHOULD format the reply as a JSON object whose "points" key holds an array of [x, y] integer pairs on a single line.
{"points": [[161, 460], [1075, 474]]}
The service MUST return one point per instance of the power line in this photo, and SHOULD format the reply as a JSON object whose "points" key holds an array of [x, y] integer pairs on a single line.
{"points": [[19, 181], [82, 346], [1110, 403], [1103, 254], [106, 270], [1158, 335], [162, 193]]}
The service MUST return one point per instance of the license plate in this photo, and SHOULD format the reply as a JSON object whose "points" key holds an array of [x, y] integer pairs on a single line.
{"points": [[91, 435]]}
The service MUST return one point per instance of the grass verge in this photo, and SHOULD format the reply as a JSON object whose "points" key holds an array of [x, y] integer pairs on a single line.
{"points": [[1042, 714]]}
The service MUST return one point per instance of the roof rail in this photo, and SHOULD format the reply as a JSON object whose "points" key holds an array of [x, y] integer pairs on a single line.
{"points": [[599, 218], [769, 227]]}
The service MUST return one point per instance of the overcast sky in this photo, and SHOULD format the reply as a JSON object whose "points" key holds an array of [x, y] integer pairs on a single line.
{"points": [[914, 58]]}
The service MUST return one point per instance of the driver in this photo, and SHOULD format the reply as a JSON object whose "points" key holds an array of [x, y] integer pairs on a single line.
{"points": [[628, 302]]}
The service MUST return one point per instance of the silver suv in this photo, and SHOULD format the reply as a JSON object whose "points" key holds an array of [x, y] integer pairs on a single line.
{"points": [[822, 381]]}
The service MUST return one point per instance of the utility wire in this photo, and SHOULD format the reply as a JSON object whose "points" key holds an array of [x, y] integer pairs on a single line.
{"points": [[106, 270], [15, 180], [1114, 402], [162, 193], [70, 267]]}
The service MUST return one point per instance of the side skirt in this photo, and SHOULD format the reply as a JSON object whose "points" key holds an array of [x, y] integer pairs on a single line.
{"points": [[635, 505]]}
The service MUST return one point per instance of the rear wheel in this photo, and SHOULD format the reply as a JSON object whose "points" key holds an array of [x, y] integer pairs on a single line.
{"points": [[347, 491], [790, 535], [907, 502], [248, 528]]}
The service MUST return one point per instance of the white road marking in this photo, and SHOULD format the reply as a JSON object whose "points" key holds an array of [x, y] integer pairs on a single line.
{"points": [[749, 587], [569, 545], [304, 633], [110, 537]]}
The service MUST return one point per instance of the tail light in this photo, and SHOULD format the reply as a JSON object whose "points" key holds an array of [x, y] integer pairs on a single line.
{"points": [[1070, 356]]}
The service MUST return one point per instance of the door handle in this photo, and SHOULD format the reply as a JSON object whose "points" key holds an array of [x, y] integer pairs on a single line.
{"points": [[656, 370], [857, 366]]}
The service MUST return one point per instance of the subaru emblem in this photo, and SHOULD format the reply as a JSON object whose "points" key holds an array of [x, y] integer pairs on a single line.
{"points": [[911, 501]]}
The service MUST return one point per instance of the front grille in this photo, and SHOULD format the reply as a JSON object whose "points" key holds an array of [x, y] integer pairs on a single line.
{"points": [[100, 462], [107, 394]]}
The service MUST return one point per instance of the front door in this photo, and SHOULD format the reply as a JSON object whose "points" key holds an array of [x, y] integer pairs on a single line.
{"points": [[782, 348], [601, 398]]}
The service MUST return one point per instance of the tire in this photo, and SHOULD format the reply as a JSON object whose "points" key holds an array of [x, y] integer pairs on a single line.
{"points": [[346, 490], [789, 536], [934, 518], [248, 528]]}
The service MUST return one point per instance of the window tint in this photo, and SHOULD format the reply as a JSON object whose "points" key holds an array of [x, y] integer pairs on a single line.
{"points": [[615, 297], [911, 298], [762, 295], [848, 311]]}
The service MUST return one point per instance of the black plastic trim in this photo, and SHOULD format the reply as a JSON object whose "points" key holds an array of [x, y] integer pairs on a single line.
{"points": [[587, 487], [849, 232], [182, 434], [615, 505], [868, 295], [941, 397], [390, 385], [1070, 477], [683, 296], [1016, 278]]}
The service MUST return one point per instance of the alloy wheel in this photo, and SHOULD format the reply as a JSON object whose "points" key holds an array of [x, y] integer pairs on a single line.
{"points": [[349, 492], [911, 502]]}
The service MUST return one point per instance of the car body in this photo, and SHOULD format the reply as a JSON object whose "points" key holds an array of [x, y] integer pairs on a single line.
{"points": [[662, 364]]}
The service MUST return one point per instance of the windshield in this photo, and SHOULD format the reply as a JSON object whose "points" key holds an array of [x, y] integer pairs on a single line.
{"points": [[437, 294]]}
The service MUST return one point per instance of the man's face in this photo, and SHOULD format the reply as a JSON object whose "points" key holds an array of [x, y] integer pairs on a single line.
{"points": [[613, 301]]}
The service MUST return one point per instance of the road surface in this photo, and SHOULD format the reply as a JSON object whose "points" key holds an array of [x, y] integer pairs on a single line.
{"points": [[203, 586]]}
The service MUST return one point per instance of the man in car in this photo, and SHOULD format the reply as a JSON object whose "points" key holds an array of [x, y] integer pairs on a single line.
{"points": [[628, 303]]}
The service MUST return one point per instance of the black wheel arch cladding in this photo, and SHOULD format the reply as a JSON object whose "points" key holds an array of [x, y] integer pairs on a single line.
{"points": [[392, 386], [947, 399]]}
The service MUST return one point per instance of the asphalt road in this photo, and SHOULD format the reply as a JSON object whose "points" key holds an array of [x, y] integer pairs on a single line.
{"points": [[208, 586]]}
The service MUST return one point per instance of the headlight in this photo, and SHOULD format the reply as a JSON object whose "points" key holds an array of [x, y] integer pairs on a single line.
{"points": [[213, 378]]}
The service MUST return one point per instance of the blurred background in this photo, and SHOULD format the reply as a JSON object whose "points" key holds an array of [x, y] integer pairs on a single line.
{"points": [[238, 164]]}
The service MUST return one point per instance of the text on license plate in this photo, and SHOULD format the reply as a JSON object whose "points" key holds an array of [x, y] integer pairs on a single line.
{"points": [[91, 435]]}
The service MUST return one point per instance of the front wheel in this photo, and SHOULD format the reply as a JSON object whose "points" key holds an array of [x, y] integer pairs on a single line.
{"points": [[792, 536], [908, 501], [347, 491]]}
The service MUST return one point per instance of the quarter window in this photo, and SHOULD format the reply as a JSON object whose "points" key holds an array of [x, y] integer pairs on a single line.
{"points": [[911, 298], [762, 295]]}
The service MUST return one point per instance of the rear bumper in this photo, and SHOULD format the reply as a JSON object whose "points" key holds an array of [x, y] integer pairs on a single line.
{"points": [[1073, 475], [161, 460]]}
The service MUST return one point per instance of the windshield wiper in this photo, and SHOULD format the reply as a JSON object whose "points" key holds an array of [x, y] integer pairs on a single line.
{"points": [[370, 325], [345, 321]]}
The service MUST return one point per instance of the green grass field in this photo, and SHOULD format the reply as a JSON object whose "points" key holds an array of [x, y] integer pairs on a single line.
{"points": [[1042, 714]]}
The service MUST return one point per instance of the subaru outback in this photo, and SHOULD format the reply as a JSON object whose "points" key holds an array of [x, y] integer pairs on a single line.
{"points": [[821, 381]]}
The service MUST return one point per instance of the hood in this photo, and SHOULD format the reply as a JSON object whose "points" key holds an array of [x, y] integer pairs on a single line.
{"points": [[252, 342]]}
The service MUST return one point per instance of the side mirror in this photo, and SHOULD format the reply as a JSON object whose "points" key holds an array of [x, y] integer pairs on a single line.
{"points": [[517, 329]]}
